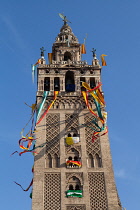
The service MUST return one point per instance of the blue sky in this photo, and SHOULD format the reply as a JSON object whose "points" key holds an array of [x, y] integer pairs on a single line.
{"points": [[113, 28]]}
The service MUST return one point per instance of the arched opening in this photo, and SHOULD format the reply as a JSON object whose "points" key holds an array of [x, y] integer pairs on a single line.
{"points": [[92, 82], [82, 79], [90, 161], [67, 56], [70, 187], [75, 135], [77, 187], [56, 84], [69, 135], [69, 81], [76, 158], [98, 162], [47, 84], [56, 161], [48, 161], [70, 158]]}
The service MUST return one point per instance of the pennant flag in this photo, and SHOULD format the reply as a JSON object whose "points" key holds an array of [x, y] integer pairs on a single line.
{"points": [[34, 68], [83, 49], [38, 62], [103, 60], [50, 56]]}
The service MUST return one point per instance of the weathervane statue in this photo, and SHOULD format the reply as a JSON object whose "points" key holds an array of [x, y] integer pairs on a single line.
{"points": [[93, 51], [64, 18], [42, 51]]}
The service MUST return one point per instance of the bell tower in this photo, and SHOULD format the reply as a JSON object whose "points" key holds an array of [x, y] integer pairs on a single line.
{"points": [[73, 171]]}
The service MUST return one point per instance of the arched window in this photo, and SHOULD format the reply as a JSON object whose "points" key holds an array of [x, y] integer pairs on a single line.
{"points": [[90, 161], [82, 79], [56, 84], [47, 84], [92, 82], [69, 82], [69, 135], [67, 56], [70, 158], [98, 162], [77, 187], [75, 158], [48, 161], [70, 187], [75, 135], [56, 161]]}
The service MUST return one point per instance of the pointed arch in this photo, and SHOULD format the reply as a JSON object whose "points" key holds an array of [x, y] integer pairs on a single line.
{"points": [[98, 162], [48, 161], [55, 161], [90, 161]]}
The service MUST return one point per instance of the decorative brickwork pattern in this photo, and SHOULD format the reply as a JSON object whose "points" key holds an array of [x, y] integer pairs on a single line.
{"points": [[52, 191], [98, 198], [91, 147], [71, 121], [77, 175], [76, 207], [52, 134], [78, 148]]}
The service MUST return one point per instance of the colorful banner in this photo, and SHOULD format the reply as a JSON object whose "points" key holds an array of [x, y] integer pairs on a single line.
{"points": [[54, 99], [45, 95], [77, 163], [34, 68], [74, 193], [72, 140]]}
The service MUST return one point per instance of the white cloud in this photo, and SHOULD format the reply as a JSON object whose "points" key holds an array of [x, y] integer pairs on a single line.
{"points": [[120, 173], [13, 32]]}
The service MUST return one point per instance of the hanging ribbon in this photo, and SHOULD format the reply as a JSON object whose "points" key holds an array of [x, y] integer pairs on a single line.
{"points": [[98, 100], [45, 95], [29, 184], [54, 99]]}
